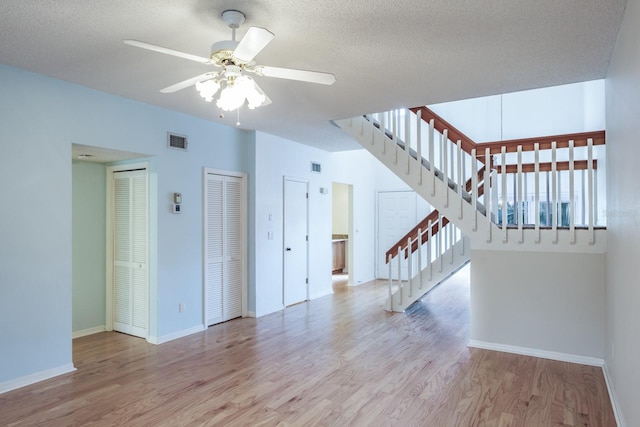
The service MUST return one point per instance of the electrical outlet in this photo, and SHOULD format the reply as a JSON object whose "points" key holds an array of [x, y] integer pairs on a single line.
{"points": [[181, 307]]}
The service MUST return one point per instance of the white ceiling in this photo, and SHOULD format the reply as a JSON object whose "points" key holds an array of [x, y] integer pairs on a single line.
{"points": [[384, 53]]}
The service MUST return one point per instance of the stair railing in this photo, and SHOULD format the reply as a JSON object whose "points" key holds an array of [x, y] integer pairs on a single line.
{"points": [[434, 246], [565, 192]]}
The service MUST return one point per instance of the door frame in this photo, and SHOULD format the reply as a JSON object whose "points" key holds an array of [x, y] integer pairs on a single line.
{"points": [[286, 178], [110, 242], [243, 236]]}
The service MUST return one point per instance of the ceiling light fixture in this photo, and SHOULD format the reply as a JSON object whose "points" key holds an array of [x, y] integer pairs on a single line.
{"points": [[234, 59], [236, 90]]}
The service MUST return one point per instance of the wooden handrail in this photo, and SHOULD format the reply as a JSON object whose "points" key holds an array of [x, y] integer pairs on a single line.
{"points": [[562, 141], [467, 144], [441, 124], [546, 167]]}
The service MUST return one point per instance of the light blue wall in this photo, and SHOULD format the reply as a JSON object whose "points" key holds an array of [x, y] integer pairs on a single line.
{"points": [[39, 120], [89, 207]]}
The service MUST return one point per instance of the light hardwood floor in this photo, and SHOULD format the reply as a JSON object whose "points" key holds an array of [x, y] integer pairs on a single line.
{"points": [[340, 360]]}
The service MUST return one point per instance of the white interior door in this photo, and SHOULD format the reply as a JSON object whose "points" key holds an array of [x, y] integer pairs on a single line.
{"points": [[396, 216], [224, 222], [131, 252], [295, 241]]}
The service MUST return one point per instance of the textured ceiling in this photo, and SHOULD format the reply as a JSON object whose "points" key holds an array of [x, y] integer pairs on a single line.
{"points": [[384, 53]]}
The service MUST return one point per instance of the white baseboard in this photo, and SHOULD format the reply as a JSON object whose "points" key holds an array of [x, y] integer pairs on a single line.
{"points": [[88, 331], [175, 335], [612, 395], [35, 377], [321, 294], [525, 351], [251, 314]]}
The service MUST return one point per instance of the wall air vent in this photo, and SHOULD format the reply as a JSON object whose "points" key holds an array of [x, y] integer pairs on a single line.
{"points": [[179, 142], [316, 167]]}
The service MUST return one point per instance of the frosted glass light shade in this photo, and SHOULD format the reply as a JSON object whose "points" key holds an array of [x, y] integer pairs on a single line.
{"points": [[207, 89]]}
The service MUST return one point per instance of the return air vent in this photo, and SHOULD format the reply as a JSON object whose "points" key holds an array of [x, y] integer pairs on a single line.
{"points": [[179, 142], [316, 167]]}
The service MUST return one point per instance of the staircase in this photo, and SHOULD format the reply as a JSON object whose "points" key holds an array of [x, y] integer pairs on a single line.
{"points": [[516, 203]]}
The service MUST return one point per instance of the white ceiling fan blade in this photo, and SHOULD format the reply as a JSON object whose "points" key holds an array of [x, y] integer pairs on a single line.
{"points": [[252, 43], [189, 82], [167, 51], [300, 75]]}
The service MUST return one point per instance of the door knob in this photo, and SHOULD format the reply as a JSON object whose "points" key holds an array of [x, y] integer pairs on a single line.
{"points": [[288, 249]]}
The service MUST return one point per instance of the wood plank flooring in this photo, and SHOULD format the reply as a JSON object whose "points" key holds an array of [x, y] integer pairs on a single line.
{"points": [[340, 360]]}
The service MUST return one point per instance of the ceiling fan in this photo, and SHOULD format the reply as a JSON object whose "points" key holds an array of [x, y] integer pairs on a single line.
{"points": [[234, 58]]}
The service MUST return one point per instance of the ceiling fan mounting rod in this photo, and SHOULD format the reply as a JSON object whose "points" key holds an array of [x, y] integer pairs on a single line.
{"points": [[233, 18]]}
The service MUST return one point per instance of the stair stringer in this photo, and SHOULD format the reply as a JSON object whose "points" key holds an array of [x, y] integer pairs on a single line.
{"points": [[483, 233], [439, 271]]}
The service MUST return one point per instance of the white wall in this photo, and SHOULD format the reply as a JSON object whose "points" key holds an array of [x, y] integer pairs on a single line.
{"points": [[358, 168], [339, 208], [40, 118], [539, 300], [577, 107], [623, 217], [367, 176], [274, 159]]}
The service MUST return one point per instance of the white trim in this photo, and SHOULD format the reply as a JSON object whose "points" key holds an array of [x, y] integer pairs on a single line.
{"points": [[321, 294], [35, 377], [251, 314], [175, 335], [612, 395], [88, 331], [286, 178], [544, 354]]}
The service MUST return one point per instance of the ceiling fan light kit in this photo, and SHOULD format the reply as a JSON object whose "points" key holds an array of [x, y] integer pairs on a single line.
{"points": [[235, 58]]}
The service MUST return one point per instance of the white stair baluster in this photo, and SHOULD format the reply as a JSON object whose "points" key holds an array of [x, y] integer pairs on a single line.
{"points": [[590, 204], [474, 188], [554, 197], [440, 237], [429, 244], [519, 209], [537, 191], [432, 162], [460, 185], [503, 193], [572, 208], [389, 259], [445, 164], [410, 266], [400, 286], [419, 258], [487, 189], [419, 143]]}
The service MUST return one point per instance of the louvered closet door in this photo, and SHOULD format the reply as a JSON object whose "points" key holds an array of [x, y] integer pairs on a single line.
{"points": [[223, 248], [130, 276]]}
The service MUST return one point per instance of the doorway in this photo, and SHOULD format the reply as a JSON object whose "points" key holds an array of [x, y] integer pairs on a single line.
{"points": [[225, 223], [295, 239], [128, 249], [92, 266], [342, 234]]}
